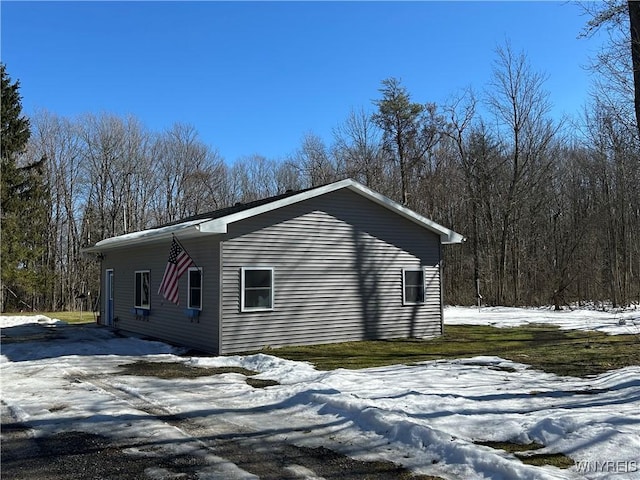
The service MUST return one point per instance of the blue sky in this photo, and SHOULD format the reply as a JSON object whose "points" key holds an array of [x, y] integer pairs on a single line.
{"points": [[255, 77]]}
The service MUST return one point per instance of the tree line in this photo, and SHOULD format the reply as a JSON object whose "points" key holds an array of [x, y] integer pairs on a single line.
{"points": [[550, 209]]}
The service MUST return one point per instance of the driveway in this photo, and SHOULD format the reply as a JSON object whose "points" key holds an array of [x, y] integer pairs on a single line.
{"points": [[147, 438]]}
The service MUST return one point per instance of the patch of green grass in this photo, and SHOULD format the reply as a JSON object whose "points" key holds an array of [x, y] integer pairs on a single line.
{"points": [[525, 455], [512, 447], [168, 370], [73, 317], [559, 460], [69, 317], [171, 370], [259, 383], [545, 347]]}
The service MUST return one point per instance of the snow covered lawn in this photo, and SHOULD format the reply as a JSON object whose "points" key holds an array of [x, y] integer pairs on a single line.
{"points": [[617, 323], [429, 417]]}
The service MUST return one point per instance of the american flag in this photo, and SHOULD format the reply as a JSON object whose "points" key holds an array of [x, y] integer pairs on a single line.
{"points": [[178, 263]]}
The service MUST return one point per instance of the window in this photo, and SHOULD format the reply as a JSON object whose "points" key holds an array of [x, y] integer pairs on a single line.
{"points": [[413, 287], [142, 289], [256, 289], [195, 288]]}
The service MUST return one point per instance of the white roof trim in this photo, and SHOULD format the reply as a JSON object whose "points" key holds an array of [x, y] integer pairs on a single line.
{"points": [[186, 229], [220, 225], [447, 236]]}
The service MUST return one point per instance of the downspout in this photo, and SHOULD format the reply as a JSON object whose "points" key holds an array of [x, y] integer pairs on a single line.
{"points": [[220, 296], [101, 314], [440, 266]]}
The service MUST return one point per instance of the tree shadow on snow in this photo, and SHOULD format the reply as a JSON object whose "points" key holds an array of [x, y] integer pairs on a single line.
{"points": [[37, 341]]}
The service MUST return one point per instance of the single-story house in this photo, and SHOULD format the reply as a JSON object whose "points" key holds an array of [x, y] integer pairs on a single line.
{"points": [[334, 263]]}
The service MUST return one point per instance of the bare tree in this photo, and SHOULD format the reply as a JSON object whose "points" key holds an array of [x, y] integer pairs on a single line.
{"points": [[520, 106], [618, 62], [189, 175], [615, 167], [112, 154], [317, 165], [460, 113], [56, 138], [254, 178], [358, 145]]}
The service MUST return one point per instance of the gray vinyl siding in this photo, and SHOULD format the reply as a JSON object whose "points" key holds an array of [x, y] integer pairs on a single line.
{"points": [[338, 263], [166, 320]]}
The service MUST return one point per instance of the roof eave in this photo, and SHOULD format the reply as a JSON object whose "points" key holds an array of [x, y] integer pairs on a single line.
{"points": [[453, 238], [185, 230], [220, 225], [447, 236]]}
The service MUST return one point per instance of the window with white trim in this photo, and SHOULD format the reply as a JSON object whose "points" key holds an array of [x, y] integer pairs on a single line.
{"points": [[256, 289], [142, 286], [194, 287], [413, 290]]}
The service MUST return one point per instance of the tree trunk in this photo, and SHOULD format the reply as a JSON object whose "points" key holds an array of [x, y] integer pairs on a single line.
{"points": [[634, 26]]}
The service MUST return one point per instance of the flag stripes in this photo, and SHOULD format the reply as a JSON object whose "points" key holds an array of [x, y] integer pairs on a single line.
{"points": [[178, 263]]}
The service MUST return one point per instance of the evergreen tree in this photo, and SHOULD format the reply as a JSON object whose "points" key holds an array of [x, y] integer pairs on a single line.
{"points": [[410, 131], [23, 207]]}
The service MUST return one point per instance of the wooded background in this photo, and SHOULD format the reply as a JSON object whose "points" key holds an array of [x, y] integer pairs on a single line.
{"points": [[550, 207]]}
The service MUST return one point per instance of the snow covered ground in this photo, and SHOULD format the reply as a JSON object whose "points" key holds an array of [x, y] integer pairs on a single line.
{"points": [[425, 417], [611, 323]]}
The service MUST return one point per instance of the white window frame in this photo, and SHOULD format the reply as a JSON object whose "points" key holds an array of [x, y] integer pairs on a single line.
{"points": [[194, 269], [404, 286], [243, 306], [146, 306]]}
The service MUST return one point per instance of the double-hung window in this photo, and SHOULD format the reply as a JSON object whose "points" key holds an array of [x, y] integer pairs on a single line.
{"points": [[256, 287], [142, 293], [413, 286], [194, 287]]}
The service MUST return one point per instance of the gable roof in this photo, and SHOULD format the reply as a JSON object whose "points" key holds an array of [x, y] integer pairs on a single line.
{"points": [[217, 222]]}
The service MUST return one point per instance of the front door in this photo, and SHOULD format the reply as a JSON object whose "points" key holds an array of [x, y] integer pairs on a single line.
{"points": [[108, 307]]}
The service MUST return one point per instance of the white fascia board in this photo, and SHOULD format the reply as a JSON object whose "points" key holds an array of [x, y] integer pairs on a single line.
{"points": [[220, 225], [447, 236], [185, 230]]}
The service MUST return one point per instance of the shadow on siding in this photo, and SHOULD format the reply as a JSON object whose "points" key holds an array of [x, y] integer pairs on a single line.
{"points": [[369, 269], [368, 287]]}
